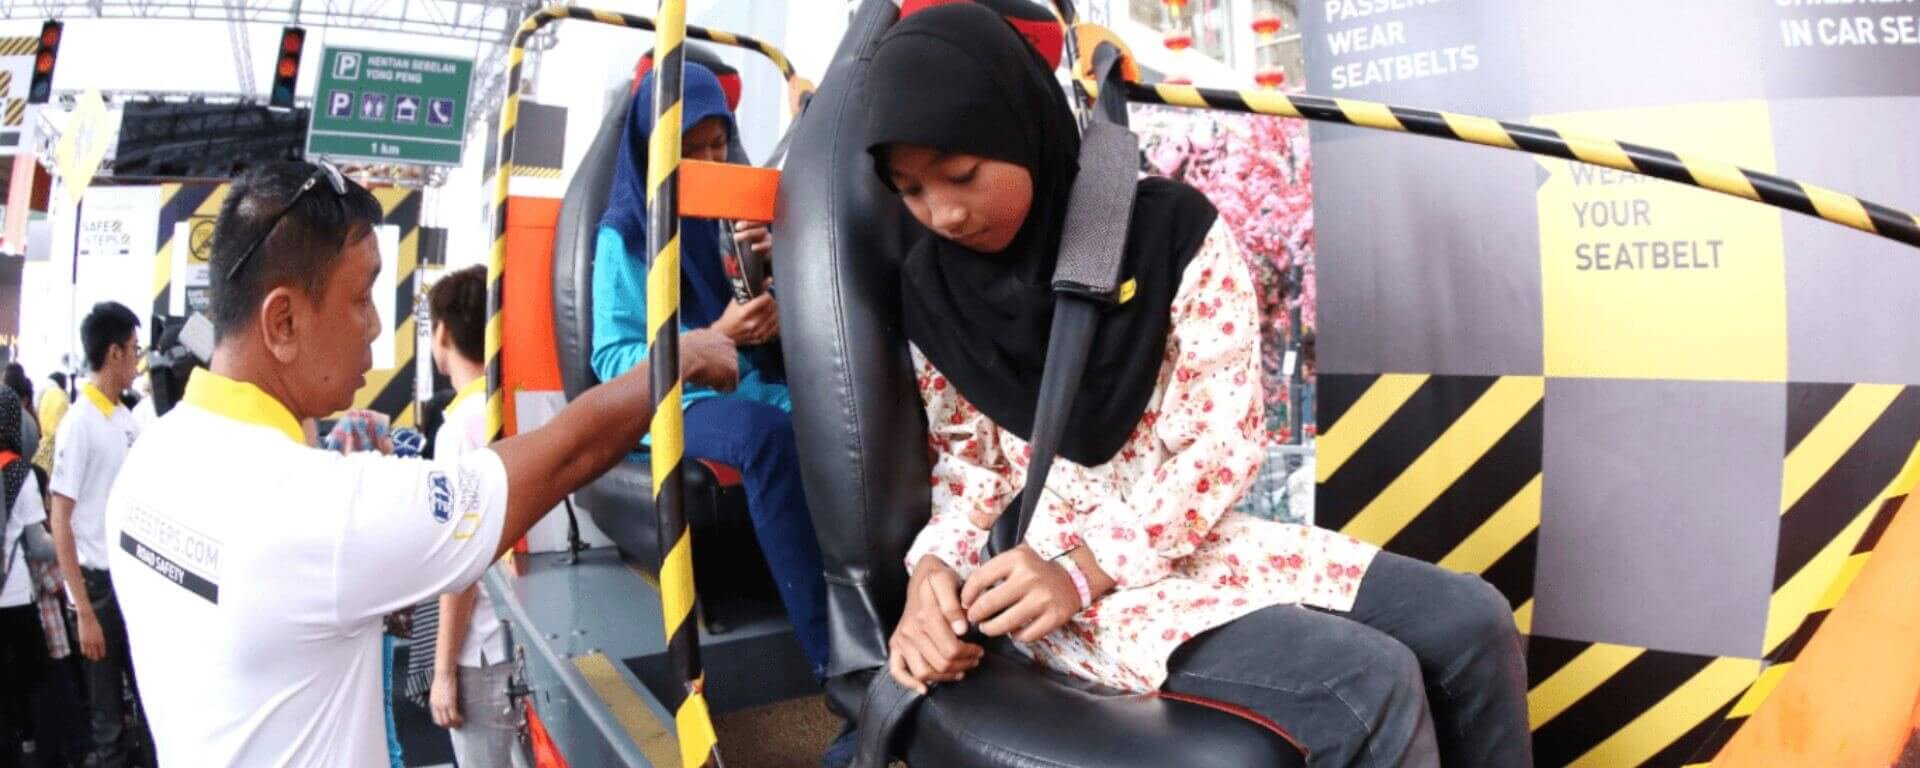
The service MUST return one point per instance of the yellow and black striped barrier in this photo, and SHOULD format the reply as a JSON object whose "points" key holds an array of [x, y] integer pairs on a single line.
{"points": [[691, 721], [1777, 191], [693, 725]]}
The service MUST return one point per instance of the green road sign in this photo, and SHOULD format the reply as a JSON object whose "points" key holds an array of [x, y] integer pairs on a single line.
{"points": [[390, 107]]}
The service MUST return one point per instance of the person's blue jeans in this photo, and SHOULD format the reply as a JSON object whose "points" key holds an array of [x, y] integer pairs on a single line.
{"points": [[757, 439]]}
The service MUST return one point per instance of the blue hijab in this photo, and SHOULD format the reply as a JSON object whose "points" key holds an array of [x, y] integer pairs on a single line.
{"points": [[704, 288]]}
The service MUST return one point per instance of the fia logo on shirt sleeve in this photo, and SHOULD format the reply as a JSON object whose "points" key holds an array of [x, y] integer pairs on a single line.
{"points": [[442, 494], [469, 504]]}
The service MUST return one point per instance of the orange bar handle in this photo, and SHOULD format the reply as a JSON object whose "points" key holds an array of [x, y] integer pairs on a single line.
{"points": [[727, 191]]}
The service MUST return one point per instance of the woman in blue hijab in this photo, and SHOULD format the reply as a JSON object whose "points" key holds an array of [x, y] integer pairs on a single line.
{"points": [[749, 428]]}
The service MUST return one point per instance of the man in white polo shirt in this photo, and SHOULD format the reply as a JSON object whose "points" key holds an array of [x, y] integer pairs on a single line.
{"points": [[91, 446], [254, 570]]}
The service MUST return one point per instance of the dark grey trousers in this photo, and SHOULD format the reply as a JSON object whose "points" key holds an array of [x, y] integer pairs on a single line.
{"points": [[1427, 669], [110, 681]]}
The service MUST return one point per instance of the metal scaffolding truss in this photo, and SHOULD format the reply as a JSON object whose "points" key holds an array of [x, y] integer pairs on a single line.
{"points": [[481, 21], [488, 24]]}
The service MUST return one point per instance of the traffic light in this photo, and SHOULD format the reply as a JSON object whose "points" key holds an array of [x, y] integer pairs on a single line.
{"points": [[40, 87], [286, 68]]}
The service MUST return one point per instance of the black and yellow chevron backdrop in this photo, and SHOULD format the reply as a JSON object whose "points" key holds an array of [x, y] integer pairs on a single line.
{"points": [[1446, 469], [389, 391], [13, 95], [1449, 469]]}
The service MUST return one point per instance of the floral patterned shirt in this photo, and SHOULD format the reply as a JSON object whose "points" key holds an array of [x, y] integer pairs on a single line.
{"points": [[1156, 516]]}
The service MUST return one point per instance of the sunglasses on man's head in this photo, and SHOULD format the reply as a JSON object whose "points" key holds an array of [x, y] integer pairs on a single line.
{"points": [[323, 170]]}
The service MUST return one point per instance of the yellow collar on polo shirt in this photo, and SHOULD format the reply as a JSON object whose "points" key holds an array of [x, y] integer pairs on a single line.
{"points": [[243, 402], [475, 388], [98, 398]]}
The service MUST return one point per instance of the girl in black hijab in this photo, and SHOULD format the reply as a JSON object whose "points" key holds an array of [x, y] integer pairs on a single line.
{"points": [[1135, 572], [23, 649]]}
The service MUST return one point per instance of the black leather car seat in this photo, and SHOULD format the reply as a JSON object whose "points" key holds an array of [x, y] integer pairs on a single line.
{"points": [[863, 452]]}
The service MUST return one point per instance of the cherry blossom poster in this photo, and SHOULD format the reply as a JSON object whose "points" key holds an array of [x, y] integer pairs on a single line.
{"points": [[1259, 173]]}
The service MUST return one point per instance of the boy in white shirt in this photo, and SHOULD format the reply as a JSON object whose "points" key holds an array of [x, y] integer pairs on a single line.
{"points": [[89, 450], [470, 666]]}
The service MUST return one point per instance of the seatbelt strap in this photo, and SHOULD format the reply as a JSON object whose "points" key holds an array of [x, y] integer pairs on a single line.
{"points": [[1086, 276]]}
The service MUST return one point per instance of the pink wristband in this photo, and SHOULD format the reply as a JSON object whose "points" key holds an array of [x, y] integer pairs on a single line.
{"points": [[1079, 580]]}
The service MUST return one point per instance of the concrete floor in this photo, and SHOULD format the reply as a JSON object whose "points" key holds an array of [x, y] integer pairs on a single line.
{"points": [[790, 734]]}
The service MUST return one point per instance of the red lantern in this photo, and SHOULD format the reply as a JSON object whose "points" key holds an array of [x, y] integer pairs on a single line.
{"points": [[1174, 6], [1270, 78], [1178, 41], [1266, 25]]}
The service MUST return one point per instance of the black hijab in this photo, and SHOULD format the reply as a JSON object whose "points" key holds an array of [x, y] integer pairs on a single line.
{"points": [[14, 474], [959, 78]]}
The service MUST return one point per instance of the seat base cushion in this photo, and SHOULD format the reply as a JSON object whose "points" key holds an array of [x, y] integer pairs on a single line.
{"points": [[1011, 713], [730, 574], [621, 504]]}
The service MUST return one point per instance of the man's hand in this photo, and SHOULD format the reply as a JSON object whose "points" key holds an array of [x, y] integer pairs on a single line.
{"points": [[444, 699], [753, 234], [93, 642], [926, 646], [1018, 593], [708, 357], [755, 322]]}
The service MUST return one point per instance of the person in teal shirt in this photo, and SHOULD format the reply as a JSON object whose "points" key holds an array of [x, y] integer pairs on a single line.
{"points": [[749, 428]]}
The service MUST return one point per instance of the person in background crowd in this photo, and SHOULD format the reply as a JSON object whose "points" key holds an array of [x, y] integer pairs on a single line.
{"points": [[92, 443], [471, 670], [59, 716], [52, 409], [22, 387], [60, 384], [23, 644], [433, 415]]}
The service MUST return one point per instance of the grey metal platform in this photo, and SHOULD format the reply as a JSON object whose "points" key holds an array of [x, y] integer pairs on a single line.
{"points": [[594, 647]]}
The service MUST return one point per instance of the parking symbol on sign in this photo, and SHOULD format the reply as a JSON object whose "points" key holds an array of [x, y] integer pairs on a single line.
{"points": [[340, 104], [346, 66], [440, 112], [406, 109], [373, 106]]}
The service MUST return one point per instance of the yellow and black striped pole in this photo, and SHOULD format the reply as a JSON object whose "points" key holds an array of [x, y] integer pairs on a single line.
{"points": [[497, 257], [691, 721], [693, 725], [1726, 178]]}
